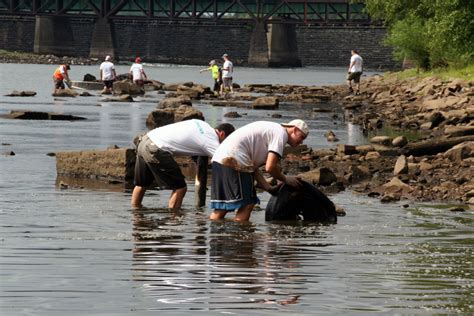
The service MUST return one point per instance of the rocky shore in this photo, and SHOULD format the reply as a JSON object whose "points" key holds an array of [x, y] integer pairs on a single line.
{"points": [[438, 165]]}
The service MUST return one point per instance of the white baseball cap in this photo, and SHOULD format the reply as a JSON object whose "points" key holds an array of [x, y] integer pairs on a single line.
{"points": [[107, 57], [300, 124]]}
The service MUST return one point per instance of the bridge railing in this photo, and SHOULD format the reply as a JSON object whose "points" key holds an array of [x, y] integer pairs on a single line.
{"points": [[197, 11]]}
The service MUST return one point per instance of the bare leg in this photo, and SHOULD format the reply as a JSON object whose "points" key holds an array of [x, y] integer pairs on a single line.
{"points": [[217, 214], [243, 214], [176, 199], [137, 196]]}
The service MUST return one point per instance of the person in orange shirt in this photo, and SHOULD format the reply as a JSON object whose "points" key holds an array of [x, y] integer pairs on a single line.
{"points": [[60, 76]]}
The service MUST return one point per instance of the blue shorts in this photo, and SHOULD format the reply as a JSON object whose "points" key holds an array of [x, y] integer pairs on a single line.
{"points": [[231, 189]]}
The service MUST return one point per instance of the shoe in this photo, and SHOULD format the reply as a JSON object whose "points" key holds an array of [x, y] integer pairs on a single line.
{"points": [[351, 90]]}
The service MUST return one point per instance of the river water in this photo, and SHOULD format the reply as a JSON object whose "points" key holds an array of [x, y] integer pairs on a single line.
{"points": [[84, 251]]}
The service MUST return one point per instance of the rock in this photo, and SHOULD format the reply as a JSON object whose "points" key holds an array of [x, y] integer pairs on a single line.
{"points": [[9, 153], [358, 173], [460, 152], [343, 149], [396, 185], [352, 106], [232, 114], [470, 201], [127, 87], [436, 118], [34, 115], [330, 136], [120, 98], [21, 94], [390, 197], [401, 166], [456, 209], [399, 141], [454, 131], [276, 115], [320, 176], [85, 94], [158, 118], [175, 102], [265, 103], [89, 77], [470, 194], [174, 86], [112, 164], [185, 112], [372, 155], [384, 140], [191, 92], [65, 93]]}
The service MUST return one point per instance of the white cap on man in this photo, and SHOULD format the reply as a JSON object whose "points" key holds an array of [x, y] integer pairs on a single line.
{"points": [[225, 56], [300, 124], [107, 58], [212, 62]]}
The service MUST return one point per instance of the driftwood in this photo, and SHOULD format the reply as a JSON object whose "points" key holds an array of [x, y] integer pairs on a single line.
{"points": [[432, 147]]}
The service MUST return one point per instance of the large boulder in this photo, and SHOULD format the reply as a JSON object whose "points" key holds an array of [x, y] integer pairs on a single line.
{"points": [[127, 87], [306, 203], [161, 117], [265, 103], [175, 102]]}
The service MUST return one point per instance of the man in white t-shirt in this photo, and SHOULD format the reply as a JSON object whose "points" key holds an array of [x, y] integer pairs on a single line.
{"points": [[107, 75], [156, 150], [227, 72], [236, 163], [355, 71], [137, 73]]}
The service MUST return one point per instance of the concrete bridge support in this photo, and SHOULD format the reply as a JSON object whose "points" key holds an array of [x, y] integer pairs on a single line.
{"points": [[283, 47], [274, 48], [102, 42], [53, 35]]}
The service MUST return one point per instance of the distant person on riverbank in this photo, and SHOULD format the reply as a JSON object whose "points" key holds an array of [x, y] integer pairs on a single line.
{"points": [[355, 71], [156, 150], [216, 73], [107, 75], [61, 78], [227, 72], [137, 73], [236, 163]]}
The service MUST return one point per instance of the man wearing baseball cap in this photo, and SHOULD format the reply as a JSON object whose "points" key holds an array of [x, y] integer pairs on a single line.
{"points": [[227, 73], [236, 163], [137, 73]]}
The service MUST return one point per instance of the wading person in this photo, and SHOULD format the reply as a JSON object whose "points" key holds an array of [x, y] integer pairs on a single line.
{"points": [[216, 75], [227, 72], [355, 71], [137, 73], [61, 78], [157, 148], [107, 75], [235, 165]]}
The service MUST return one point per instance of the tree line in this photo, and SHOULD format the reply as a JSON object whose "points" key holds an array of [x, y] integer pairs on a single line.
{"points": [[432, 33]]}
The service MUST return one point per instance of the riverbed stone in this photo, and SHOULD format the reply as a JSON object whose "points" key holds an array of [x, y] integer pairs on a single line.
{"points": [[110, 164], [265, 103], [321, 176], [175, 102], [21, 94], [401, 166], [127, 87], [36, 115], [384, 140], [399, 141]]}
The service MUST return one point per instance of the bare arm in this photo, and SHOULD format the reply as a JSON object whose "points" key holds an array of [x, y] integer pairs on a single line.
{"points": [[272, 166]]}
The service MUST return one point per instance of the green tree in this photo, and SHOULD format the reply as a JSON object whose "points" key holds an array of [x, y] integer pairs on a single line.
{"points": [[430, 32]]}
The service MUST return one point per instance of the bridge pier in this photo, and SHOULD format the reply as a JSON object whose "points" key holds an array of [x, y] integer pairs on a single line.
{"points": [[275, 48], [53, 35], [102, 42], [283, 47]]}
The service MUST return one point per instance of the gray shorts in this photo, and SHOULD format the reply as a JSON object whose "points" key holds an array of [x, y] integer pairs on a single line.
{"points": [[155, 164], [227, 82], [354, 76]]}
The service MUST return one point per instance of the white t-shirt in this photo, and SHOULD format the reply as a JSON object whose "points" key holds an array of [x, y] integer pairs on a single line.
{"points": [[186, 138], [227, 73], [107, 70], [357, 66], [247, 148], [137, 71]]}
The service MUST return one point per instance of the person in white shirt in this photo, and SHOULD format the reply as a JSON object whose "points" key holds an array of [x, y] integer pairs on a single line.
{"points": [[137, 73], [355, 71], [107, 75], [236, 163], [227, 72], [156, 150]]}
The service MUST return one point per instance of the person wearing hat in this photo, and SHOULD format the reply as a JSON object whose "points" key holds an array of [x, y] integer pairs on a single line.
{"points": [[227, 71], [61, 77], [156, 150], [107, 75], [236, 163], [216, 75], [137, 73]]}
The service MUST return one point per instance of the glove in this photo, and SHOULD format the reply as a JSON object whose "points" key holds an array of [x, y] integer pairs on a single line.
{"points": [[274, 189]]}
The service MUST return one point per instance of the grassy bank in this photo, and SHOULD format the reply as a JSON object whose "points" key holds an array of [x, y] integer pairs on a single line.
{"points": [[465, 73]]}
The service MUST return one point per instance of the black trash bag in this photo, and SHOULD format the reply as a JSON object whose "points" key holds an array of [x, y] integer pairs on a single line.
{"points": [[307, 203]]}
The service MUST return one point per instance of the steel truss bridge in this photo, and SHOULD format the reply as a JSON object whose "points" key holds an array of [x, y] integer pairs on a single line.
{"points": [[323, 12]]}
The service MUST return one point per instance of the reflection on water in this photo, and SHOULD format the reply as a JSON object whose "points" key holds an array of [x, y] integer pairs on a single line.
{"points": [[81, 250]]}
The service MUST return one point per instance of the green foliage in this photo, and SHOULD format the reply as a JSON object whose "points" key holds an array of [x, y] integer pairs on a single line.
{"points": [[430, 32]]}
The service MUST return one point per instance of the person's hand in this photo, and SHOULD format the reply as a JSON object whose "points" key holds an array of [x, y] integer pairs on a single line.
{"points": [[274, 189], [293, 181]]}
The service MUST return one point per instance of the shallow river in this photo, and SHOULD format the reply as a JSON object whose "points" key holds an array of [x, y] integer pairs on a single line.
{"points": [[84, 251]]}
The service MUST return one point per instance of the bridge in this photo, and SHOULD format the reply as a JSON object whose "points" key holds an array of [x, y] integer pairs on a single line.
{"points": [[254, 32], [198, 11]]}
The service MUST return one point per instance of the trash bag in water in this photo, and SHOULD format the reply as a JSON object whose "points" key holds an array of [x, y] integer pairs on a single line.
{"points": [[307, 203]]}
